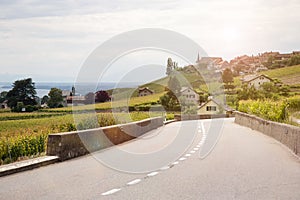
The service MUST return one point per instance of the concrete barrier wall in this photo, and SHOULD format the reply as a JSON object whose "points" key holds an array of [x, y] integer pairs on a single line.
{"points": [[286, 134], [202, 116], [73, 144]]}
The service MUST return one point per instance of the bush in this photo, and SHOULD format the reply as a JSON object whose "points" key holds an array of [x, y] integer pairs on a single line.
{"points": [[274, 111], [22, 146], [294, 103]]}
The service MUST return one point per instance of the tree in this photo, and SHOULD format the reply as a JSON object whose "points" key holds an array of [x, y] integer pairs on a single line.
{"points": [[101, 96], [227, 76], [56, 98], [174, 85], [45, 99], [294, 60], [90, 98], [170, 100], [169, 66], [3, 96], [22, 91]]}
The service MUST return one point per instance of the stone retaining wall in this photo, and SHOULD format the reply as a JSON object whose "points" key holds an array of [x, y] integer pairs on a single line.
{"points": [[73, 144], [286, 134], [202, 116]]}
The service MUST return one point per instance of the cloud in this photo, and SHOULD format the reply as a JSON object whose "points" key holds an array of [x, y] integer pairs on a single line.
{"points": [[55, 37]]}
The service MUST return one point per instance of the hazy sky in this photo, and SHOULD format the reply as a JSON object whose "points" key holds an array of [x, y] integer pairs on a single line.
{"points": [[50, 40]]}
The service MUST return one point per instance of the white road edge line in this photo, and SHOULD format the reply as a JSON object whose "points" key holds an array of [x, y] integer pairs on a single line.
{"points": [[182, 159], [111, 191]]}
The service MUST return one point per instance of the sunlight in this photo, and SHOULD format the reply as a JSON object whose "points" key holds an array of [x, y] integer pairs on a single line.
{"points": [[230, 34]]}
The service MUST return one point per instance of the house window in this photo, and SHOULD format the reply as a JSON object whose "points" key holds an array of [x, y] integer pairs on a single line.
{"points": [[211, 108]]}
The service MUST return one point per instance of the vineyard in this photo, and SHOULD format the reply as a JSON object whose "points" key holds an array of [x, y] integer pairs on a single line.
{"points": [[26, 135], [134, 102], [278, 111]]}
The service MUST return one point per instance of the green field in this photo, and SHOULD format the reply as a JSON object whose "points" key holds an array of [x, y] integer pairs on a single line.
{"points": [[133, 101], [288, 75]]}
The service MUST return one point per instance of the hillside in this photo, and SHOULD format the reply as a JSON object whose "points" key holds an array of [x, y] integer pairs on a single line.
{"points": [[186, 76], [287, 75]]}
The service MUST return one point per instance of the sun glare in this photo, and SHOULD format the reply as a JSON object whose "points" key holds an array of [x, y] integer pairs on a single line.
{"points": [[230, 34]]}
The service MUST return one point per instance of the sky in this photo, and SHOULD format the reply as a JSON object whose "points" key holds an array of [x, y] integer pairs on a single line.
{"points": [[50, 40]]}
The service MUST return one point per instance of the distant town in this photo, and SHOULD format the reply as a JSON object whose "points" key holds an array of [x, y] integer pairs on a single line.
{"points": [[250, 64]]}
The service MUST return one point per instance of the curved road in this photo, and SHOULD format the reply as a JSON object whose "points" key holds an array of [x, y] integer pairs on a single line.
{"points": [[244, 164]]}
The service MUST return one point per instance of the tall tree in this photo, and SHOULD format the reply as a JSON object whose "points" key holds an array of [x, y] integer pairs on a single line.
{"points": [[22, 91], [227, 76], [169, 66], [56, 98]]}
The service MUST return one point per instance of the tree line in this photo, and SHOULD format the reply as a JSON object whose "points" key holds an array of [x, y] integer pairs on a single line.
{"points": [[23, 97]]}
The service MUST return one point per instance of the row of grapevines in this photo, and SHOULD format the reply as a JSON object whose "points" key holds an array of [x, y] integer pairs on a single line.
{"points": [[274, 111], [22, 146]]}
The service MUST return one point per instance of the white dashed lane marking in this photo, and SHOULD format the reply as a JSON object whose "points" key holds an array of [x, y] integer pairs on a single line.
{"points": [[165, 168], [111, 191], [175, 163], [136, 181], [152, 174]]}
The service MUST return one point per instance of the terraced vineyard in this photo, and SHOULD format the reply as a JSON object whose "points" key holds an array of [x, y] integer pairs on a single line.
{"points": [[288, 75]]}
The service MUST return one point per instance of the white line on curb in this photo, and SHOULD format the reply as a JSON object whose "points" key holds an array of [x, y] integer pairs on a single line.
{"points": [[182, 159]]}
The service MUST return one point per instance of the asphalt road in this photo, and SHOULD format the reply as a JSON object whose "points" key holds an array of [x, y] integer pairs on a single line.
{"points": [[244, 164]]}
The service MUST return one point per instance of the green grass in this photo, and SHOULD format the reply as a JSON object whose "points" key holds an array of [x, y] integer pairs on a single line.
{"points": [[288, 75], [157, 86], [134, 101], [15, 116]]}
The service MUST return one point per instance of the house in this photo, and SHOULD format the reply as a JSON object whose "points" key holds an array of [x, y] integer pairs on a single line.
{"points": [[76, 100], [145, 92], [190, 96], [256, 80], [71, 98], [212, 106]]}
